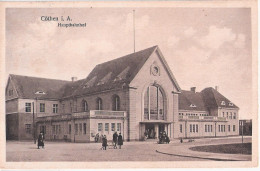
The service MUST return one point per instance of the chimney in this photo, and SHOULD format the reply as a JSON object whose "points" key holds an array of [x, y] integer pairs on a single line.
{"points": [[193, 89], [216, 88], [73, 79]]}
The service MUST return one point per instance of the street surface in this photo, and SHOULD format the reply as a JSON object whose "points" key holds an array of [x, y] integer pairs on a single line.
{"points": [[131, 151]]}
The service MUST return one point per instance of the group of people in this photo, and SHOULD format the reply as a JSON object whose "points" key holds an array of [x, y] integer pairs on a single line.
{"points": [[150, 133], [117, 140], [163, 138]]}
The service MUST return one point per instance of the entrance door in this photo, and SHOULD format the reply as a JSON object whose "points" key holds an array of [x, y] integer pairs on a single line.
{"points": [[149, 130], [161, 128]]}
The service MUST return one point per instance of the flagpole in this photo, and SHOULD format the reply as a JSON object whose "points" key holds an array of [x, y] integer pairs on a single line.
{"points": [[134, 27]]}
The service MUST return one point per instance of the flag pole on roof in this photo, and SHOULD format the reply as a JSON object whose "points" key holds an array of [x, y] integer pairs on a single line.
{"points": [[134, 27]]}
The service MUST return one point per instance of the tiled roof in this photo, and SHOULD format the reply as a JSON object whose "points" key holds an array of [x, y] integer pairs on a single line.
{"points": [[201, 101], [27, 87], [109, 75], [213, 99], [189, 100]]}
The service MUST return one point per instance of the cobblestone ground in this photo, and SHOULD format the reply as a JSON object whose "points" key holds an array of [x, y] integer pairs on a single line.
{"points": [[60, 151], [131, 151]]}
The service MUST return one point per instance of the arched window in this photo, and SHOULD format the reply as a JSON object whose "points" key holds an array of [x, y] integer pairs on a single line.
{"points": [[115, 103], [99, 104], [153, 103], [84, 106]]}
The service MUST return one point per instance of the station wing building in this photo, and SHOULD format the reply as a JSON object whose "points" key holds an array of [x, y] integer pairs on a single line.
{"points": [[136, 94]]}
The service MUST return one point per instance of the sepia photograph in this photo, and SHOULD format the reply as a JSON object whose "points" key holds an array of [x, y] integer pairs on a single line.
{"points": [[133, 83]]}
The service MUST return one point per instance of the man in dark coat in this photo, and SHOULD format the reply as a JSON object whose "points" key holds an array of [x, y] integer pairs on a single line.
{"points": [[120, 140], [115, 136], [40, 140], [104, 142]]}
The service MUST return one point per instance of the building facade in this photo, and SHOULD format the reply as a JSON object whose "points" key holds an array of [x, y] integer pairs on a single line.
{"points": [[133, 94]]}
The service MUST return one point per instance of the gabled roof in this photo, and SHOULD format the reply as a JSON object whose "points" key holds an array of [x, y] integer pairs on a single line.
{"points": [[213, 99], [26, 87], [112, 74], [187, 99]]}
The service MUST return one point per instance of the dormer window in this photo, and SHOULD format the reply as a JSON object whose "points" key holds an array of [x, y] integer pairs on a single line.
{"points": [[223, 103], [193, 105], [230, 104], [40, 92]]}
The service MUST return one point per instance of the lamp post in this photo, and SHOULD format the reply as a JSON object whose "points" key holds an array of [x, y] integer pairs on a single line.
{"points": [[33, 125]]}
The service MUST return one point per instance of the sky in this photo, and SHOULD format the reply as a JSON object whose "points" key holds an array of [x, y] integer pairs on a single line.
{"points": [[204, 47]]}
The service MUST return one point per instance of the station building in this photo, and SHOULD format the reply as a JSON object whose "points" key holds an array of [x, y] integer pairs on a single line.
{"points": [[133, 94]]}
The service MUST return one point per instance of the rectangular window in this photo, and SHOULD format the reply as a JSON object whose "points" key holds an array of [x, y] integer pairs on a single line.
{"points": [[180, 128], [234, 117], [193, 127], [53, 129], [106, 126], [11, 92], [223, 114], [76, 129], [69, 128], [80, 128], [197, 128], [28, 107], [55, 108], [211, 128], [119, 127], [42, 107], [219, 128], [28, 128], [228, 128], [231, 115], [234, 128], [85, 128], [224, 128], [190, 127], [59, 129], [100, 126], [112, 126], [206, 128]]}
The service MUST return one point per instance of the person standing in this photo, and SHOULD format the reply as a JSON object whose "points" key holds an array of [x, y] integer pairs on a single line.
{"points": [[40, 141], [115, 136], [104, 142], [120, 140]]}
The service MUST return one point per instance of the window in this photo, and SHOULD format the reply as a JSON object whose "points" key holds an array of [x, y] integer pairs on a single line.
{"points": [[84, 128], [224, 128], [10, 92], [193, 127], [84, 106], [206, 128], [234, 117], [43, 129], [197, 128], [69, 128], [106, 126], [55, 108], [80, 128], [228, 128], [219, 128], [59, 129], [231, 115], [223, 114], [116, 103], [100, 126], [28, 128], [42, 107], [119, 127], [153, 103], [27, 107], [180, 128], [99, 104], [53, 129], [76, 129], [112, 126], [211, 128], [190, 128], [234, 128]]}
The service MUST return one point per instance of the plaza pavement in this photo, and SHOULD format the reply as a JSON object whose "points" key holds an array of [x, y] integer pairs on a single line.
{"points": [[183, 149], [131, 151]]}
